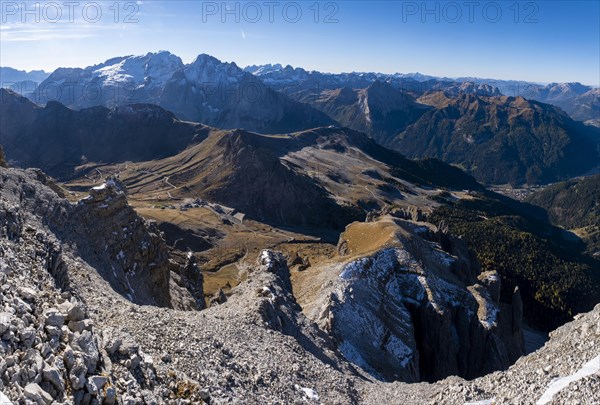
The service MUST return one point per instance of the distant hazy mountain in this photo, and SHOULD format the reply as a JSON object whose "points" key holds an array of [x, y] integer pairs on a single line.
{"points": [[278, 73], [298, 83], [563, 95], [21, 81], [581, 102], [9, 76], [502, 139], [280, 77], [454, 89], [260, 70], [377, 104], [207, 90]]}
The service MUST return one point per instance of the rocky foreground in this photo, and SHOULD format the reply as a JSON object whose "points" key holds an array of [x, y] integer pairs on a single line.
{"points": [[80, 322]]}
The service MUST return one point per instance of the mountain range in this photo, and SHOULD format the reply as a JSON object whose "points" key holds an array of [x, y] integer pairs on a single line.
{"points": [[322, 245], [21, 81], [503, 139], [9, 76], [144, 78], [379, 110], [578, 100], [497, 139], [207, 90], [56, 139], [416, 115], [318, 180]]}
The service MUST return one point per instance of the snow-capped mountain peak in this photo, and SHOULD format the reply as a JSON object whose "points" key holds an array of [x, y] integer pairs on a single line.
{"points": [[259, 70], [152, 69]]}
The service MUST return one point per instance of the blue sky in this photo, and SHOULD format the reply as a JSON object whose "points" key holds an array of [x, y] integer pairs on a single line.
{"points": [[542, 41]]}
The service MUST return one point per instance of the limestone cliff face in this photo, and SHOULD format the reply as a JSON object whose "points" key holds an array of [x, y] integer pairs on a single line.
{"points": [[103, 231], [130, 252], [129, 249], [414, 309]]}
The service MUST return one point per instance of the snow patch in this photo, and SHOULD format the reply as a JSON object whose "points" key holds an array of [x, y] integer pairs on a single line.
{"points": [[309, 392], [589, 368], [482, 402], [151, 70], [265, 257], [131, 292], [4, 399]]}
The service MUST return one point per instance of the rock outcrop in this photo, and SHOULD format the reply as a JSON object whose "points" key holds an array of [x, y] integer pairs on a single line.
{"points": [[564, 371], [414, 309], [269, 299], [134, 257], [51, 351], [193, 280], [101, 230]]}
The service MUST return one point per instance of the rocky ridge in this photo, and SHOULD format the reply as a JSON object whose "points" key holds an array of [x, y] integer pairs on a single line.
{"points": [[207, 90], [580, 101], [257, 347], [57, 139]]}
